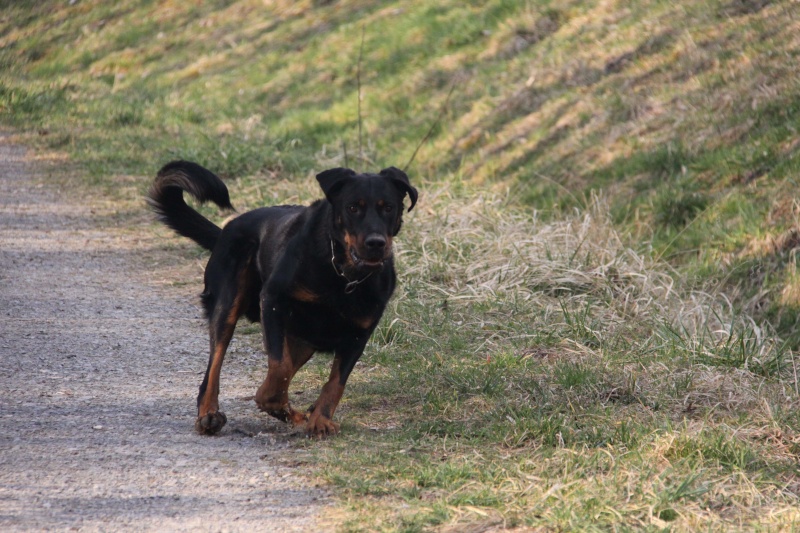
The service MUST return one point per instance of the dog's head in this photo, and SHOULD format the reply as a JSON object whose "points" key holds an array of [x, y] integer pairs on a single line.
{"points": [[367, 213]]}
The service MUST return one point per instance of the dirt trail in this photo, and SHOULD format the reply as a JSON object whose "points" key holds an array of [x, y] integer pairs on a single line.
{"points": [[100, 366]]}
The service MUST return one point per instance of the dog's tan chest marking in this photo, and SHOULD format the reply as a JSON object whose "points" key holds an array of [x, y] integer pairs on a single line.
{"points": [[364, 322], [304, 294]]}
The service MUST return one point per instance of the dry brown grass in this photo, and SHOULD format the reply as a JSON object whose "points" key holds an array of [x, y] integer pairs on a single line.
{"points": [[478, 248]]}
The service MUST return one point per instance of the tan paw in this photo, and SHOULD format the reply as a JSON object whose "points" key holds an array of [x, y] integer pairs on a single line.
{"points": [[210, 423], [320, 427]]}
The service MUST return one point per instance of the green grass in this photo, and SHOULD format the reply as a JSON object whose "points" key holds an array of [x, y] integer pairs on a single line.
{"points": [[596, 325]]}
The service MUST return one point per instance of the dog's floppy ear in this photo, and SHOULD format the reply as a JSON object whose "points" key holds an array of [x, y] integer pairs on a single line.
{"points": [[332, 180], [400, 179]]}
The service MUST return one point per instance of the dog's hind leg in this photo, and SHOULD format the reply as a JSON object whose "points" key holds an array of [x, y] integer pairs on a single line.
{"points": [[224, 308], [273, 394]]}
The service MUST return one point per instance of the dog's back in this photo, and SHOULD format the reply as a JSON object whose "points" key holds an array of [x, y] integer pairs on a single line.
{"points": [[251, 243]]}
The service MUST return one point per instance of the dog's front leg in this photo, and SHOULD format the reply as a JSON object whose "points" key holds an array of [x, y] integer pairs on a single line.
{"points": [[320, 419], [285, 356]]}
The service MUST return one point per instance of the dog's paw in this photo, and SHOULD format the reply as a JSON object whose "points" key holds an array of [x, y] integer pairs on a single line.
{"points": [[297, 418], [284, 413], [288, 415], [210, 423], [320, 427]]}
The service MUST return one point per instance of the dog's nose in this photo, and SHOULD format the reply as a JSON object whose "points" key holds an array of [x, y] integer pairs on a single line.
{"points": [[375, 242]]}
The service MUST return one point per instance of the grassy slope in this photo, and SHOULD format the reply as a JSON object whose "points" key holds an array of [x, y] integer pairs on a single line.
{"points": [[530, 372], [684, 113]]}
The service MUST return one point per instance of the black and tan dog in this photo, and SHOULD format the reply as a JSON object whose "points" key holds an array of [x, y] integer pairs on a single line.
{"points": [[317, 277]]}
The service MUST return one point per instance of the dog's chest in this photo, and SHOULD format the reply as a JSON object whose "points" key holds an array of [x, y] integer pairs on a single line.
{"points": [[326, 322]]}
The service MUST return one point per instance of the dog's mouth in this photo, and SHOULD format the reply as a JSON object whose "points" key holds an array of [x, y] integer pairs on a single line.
{"points": [[366, 263]]}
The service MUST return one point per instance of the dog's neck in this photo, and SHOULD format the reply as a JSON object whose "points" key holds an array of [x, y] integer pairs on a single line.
{"points": [[351, 284]]}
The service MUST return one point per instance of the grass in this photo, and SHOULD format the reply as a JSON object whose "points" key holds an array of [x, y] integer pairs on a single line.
{"points": [[596, 326]]}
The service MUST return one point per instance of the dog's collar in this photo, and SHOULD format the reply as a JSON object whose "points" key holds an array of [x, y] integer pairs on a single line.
{"points": [[351, 285]]}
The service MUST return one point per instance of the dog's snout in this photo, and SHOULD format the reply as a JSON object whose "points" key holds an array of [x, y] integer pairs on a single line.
{"points": [[375, 242]]}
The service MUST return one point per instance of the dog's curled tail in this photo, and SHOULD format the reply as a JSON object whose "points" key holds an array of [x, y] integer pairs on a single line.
{"points": [[165, 197]]}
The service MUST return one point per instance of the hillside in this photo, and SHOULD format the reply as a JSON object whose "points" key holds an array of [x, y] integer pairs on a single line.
{"points": [[685, 115], [607, 231]]}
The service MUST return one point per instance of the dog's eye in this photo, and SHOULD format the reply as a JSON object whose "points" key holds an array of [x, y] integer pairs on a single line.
{"points": [[388, 208], [352, 209]]}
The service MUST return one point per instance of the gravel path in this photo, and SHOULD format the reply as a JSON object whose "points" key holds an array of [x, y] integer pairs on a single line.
{"points": [[101, 360]]}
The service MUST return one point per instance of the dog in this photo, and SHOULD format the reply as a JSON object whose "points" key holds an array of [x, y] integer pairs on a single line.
{"points": [[317, 277]]}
